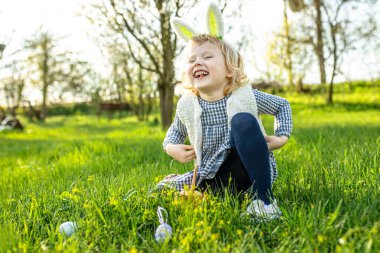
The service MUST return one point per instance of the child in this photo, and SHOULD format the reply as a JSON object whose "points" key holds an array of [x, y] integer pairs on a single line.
{"points": [[220, 115]]}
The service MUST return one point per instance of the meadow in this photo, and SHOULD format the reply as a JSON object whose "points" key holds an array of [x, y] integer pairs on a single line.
{"points": [[101, 174]]}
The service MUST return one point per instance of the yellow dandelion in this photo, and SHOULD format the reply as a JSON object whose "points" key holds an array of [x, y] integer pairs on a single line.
{"points": [[227, 248], [133, 250], [147, 214], [68, 196], [90, 178], [198, 210], [239, 232], [187, 240], [86, 205], [59, 247], [321, 238], [114, 201], [75, 190], [23, 247], [176, 202], [214, 237]]}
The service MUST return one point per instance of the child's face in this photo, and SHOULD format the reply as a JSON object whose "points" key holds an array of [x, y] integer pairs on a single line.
{"points": [[206, 69]]}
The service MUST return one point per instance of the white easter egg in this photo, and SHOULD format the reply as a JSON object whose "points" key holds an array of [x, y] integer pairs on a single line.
{"points": [[163, 232], [68, 228]]}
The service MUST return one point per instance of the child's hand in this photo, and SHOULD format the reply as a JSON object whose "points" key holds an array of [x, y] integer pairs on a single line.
{"points": [[180, 152], [275, 142]]}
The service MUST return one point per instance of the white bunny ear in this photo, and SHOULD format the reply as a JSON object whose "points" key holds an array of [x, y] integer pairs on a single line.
{"points": [[182, 29], [214, 20]]}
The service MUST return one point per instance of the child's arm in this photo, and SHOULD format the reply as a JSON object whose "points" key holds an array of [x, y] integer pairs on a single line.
{"points": [[275, 142], [280, 109], [180, 152], [173, 143]]}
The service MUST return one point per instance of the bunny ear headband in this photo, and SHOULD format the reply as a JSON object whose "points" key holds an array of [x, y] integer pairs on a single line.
{"points": [[214, 24]]}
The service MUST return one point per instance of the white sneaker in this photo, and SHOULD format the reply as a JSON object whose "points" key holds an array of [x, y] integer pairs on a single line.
{"points": [[263, 212]]}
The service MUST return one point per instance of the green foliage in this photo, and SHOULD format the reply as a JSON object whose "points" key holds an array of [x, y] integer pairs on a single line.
{"points": [[100, 174], [70, 109], [54, 68]]}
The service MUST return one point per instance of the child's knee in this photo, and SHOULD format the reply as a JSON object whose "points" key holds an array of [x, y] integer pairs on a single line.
{"points": [[244, 121]]}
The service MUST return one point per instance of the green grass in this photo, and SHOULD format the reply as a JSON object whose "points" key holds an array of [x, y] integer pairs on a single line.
{"points": [[100, 173]]}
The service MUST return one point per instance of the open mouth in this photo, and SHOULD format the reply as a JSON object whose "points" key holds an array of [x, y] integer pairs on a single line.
{"points": [[200, 74]]}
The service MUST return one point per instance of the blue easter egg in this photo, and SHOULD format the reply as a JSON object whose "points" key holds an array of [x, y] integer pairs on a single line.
{"points": [[163, 232], [68, 228]]}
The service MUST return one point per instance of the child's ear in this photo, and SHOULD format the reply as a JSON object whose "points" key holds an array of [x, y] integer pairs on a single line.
{"points": [[229, 74]]}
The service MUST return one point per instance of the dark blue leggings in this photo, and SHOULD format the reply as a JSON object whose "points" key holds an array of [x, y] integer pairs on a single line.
{"points": [[248, 162]]}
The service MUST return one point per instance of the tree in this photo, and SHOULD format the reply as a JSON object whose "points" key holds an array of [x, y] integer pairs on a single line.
{"points": [[143, 86], [318, 46], [12, 87], [50, 66], [2, 48], [345, 33], [288, 57], [77, 77], [316, 40], [45, 63], [145, 27], [133, 85], [332, 32]]}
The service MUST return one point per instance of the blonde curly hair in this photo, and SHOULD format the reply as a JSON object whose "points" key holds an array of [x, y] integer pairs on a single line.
{"points": [[233, 60]]}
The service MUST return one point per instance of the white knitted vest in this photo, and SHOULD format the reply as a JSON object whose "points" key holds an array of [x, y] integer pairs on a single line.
{"points": [[189, 112]]}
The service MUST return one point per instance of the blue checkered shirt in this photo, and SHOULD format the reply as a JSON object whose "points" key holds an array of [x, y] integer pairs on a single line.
{"points": [[216, 135]]}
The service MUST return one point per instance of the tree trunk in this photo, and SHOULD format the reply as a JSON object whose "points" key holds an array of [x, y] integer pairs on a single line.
{"points": [[2, 48], [319, 46], [44, 100], [3, 114], [166, 79], [330, 94], [149, 108], [33, 113], [119, 84], [289, 64], [166, 104], [335, 61], [141, 106], [300, 87], [45, 81]]}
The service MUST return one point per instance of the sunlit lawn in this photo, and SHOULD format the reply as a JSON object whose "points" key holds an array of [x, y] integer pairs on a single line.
{"points": [[100, 174]]}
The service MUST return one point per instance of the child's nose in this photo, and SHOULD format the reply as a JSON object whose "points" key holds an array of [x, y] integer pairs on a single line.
{"points": [[197, 63]]}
